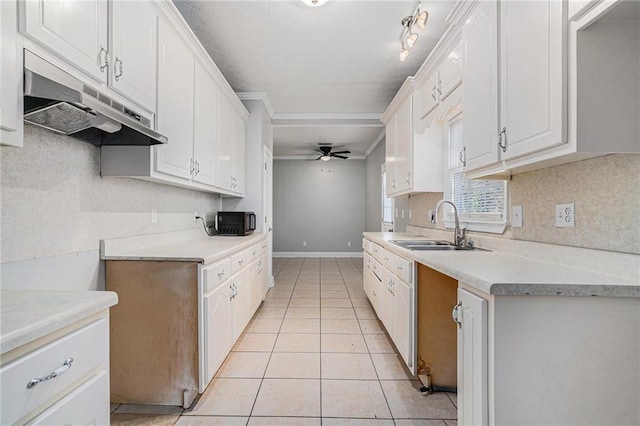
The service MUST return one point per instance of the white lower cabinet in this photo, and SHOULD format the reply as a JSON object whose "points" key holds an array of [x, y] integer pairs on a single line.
{"points": [[403, 314], [472, 359], [218, 336], [77, 394]]}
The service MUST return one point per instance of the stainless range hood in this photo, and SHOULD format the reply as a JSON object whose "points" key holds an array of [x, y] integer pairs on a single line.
{"points": [[59, 102]]}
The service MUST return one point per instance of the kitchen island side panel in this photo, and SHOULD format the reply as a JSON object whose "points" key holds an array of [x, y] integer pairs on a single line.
{"points": [[154, 331]]}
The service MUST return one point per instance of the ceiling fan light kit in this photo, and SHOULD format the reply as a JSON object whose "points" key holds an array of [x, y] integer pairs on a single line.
{"points": [[326, 154], [408, 38]]}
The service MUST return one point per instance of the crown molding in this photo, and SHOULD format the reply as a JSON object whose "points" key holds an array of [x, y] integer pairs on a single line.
{"points": [[326, 119], [258, 96], [375, 143]]}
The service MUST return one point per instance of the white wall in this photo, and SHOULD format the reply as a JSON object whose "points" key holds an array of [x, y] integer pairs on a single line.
{"points": [[322, 203], [373, 213], [56, 208]]}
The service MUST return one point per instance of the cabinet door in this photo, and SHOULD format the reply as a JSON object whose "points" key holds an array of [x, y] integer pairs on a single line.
{"points": [[263, 283], [472, 359], [386, 300], [225, 148], [205, 127], [532, 75], [241, 303], [217, 329], [73, 30], [479, 38], [402, 332], [390, 152], [133, 51], [238, 169], [429, 95], [450, 72], [10, 76], [175, 104], [404, 143]]}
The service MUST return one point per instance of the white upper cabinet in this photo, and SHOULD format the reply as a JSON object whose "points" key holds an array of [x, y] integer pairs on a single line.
{"points": [[75, 31], [450, 72], [205, 127], [532, 76], [226, 135], [10, 76], [403, 146], [132, 70], [238, 167], [175, 104], [479, 38], [390, 161]]}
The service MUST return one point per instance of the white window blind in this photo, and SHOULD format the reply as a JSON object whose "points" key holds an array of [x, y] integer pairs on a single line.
{"points": [[478, 201]]}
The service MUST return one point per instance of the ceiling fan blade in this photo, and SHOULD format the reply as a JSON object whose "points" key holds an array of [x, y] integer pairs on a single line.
{"points": [[341, 152], [339, 156]]}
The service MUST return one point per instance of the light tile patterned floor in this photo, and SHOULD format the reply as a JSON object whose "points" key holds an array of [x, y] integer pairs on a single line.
{"points": [[314, 354]]}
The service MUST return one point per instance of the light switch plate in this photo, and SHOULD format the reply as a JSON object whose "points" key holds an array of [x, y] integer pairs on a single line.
{"points": [[516, 217], [565, 215]]}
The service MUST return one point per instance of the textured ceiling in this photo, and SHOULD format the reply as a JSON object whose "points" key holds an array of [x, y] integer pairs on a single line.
{"points": [[339, 58]]}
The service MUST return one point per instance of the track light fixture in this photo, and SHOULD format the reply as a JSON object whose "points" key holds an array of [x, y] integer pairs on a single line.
{"points": [[408, 38]]}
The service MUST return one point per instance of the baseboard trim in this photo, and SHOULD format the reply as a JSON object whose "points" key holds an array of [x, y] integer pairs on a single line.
{"points": [[317, 254]]}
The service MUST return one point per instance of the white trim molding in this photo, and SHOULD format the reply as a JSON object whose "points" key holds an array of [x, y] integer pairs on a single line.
{"points": [[317, 254], [257, 96], [376, 142], [327, 119]]}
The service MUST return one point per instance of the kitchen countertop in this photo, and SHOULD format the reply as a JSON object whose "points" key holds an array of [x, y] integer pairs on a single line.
{"points": [[503, 274], [29, 315], [203, 249]]}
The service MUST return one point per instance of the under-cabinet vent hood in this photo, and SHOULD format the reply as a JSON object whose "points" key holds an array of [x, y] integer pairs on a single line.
{"points": [[59, 102]]}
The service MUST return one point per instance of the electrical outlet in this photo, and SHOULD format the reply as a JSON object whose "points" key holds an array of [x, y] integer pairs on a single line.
{"points": [[396, 212], [195, 214], [304, 244], [516, 217], [154, 216], [348, 243], [410, 215], [429, 215], [402, 212], [565, 215]]}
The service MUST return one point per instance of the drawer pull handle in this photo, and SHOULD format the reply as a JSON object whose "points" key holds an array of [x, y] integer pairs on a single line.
{"points": [[399, 267], [221, 274], [55, 373]]}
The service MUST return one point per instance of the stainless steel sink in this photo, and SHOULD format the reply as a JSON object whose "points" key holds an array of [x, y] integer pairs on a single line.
{"points": [[420, 245]]}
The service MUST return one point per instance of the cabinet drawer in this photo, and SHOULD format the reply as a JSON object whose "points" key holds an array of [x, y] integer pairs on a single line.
{"points": [[253, 252], [376, 267], [216, 274], [376, 251], [385, 258], [366, 245], [239, 260], [89, 348], [400, 267], [263, 247]]}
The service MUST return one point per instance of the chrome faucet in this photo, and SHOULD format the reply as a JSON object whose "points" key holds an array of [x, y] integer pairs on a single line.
{"points": [[460, 235]]}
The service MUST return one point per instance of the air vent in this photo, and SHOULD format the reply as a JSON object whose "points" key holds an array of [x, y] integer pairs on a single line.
{"points": [[104, 99], [90, 91]]}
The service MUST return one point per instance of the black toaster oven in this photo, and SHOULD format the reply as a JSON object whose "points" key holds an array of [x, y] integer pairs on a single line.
{"points": [[235, 223]]}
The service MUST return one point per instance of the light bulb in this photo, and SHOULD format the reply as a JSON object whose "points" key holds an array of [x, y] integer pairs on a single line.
{"points": [[411, 39], [422, 19], [325, 158], [404, 54], [314, 3]]}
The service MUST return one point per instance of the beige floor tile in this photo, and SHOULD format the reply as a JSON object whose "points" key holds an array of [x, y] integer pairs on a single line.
{"points": [[333, 287], [303, 398], [244, 365], [285, 365], [339, 326], [337, 313], [353, 398], [300, 325], [284, 421], [451, 422], [227, 397], [118, 419], [390, 367], [306, 294], [295, 342], [361, 303], [274, 294], [356, 422], [335, 303], [453, 397], [406, 401], [270, 312], [345, 343], [264, 325], [379, 344], [147, 409], [303, 313], [420, 422], [347, 366], [275, 303], [308, 286], [113, 407], [357, 294], [334, 294], [304, 303], [365, 313], [255, 342], [371, 326], [211, 421]]}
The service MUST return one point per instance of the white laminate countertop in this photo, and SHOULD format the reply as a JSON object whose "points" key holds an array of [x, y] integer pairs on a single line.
{"points": [[203, 249], [28, 315], [500, 273]]}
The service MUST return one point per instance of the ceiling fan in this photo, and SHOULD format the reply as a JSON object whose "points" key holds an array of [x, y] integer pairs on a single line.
{"points": [[326, 153]]}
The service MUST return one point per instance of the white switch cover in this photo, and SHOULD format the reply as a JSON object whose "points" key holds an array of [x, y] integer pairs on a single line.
{"points": [[516, 216], [304, 244], [565, 215], [154, 216], [410, 215], [402, 211], [348, 243]]}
